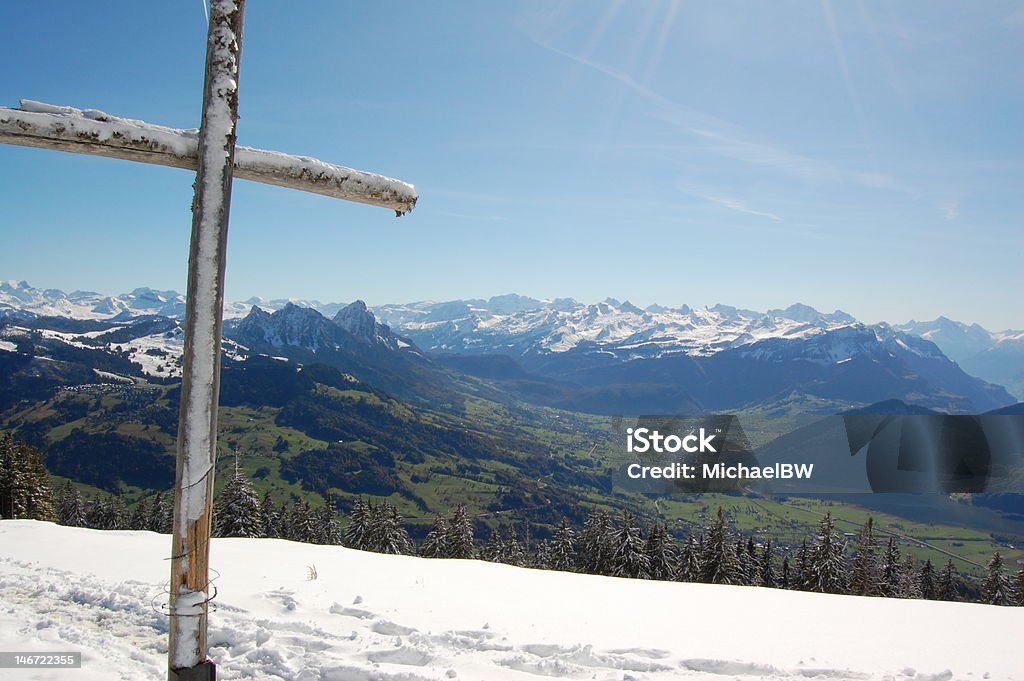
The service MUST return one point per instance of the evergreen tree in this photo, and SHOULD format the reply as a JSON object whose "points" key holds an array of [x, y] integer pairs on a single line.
{"points": [[718, 561], [909, 584], [70, 510], [436, 543], [460, 544], [741, 561], [891, 570], [269, 518], [301, 525], [139, 516], [387, 535], [160, 519], [629, 558], [596, 544], [325, 518], [512, 551], [360, 523], [827, 563], [236, 512], [284, 519], [751, 565], [661, 553], [948, 589], [689, 561], [926, 581], [1018, 588], [561, 550], [491, 551], [542, 558], [865, 578], [13, 485], [38, 495], [996, 588], [24, 482], [766, 571], [785, 582], [803, 567], [106, 513]]}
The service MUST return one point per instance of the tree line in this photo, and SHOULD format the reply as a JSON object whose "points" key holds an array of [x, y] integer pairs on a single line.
{"points": [[713, 553]]}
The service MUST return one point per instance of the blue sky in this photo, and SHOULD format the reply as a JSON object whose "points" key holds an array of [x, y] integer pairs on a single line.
{"points": [[856, 155]]}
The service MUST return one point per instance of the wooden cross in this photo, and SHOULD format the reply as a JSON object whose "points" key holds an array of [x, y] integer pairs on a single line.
{"points": [[214, 156]]}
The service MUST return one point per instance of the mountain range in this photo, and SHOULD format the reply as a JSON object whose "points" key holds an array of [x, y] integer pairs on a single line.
{"points": [[609, 357]]}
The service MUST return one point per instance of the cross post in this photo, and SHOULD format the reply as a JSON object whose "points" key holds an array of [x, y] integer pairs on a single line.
{"points": [[200, 381]]}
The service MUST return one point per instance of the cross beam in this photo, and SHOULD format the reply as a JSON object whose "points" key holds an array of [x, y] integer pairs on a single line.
{"points": [[93, 132]]}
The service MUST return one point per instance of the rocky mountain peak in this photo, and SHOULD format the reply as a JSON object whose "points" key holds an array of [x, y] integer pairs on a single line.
{"points": [[363, 325]]}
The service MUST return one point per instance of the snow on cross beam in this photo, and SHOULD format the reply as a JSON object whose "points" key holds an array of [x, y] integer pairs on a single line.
{"points": [[89, 131]]}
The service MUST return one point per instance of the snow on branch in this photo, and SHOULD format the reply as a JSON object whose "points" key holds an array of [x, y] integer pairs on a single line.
{"points": [[89, 131]]}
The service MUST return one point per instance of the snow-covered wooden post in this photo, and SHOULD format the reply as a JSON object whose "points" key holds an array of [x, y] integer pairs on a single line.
{"points": [[212, 153], [200, 384]]}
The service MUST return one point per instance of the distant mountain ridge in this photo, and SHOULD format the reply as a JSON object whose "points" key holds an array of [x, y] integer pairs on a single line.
{"points": [[594, 357], [997, 357]]}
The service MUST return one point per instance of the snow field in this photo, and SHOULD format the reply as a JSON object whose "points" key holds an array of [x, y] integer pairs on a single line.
{"points": [[369, 617]]}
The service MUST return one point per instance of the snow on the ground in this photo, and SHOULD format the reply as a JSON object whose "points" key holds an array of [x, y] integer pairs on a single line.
{"points": [[368, 617]]}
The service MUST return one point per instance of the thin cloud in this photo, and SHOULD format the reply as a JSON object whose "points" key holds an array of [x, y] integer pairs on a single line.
{"points": [[733, 204], [951, 210], [728, 139]]}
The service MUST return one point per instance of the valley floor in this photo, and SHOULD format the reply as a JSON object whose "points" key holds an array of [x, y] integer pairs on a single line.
{"points": [[368, 617]]}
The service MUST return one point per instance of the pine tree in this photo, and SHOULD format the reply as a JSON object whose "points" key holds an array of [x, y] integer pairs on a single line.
{"points": [[360, 522], [948, 589], [803, 567], [751, 565], [491, 551], [387, 535], [827, 563], [70, 510], [926, 581], [38, 496], [542, 558], [661, 553], [460, 544], [996, 588], [719, 564], [1018, 588], [766, 571], [785, 583], [595, 548], [24, 482], [237, 510], [106, 513], [139, 516], [629, 558], [269, 517], [160, 519], [436, 543], [284, 519], [12, 480], [909, 584], [561, 551], [689, 561], [512, 551], [325, 518], [865, 578], [891, 570], [300, 523], [741, 561]]}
